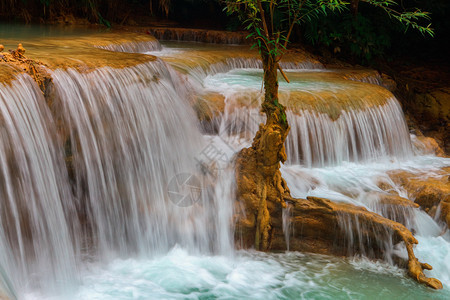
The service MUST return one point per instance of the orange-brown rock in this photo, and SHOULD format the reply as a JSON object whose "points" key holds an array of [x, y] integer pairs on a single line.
{"points": [[20, 50], [424, 92], [428, 145], [209, 105], [34, 68], [395, 201], [428, 192], [430, 108]]}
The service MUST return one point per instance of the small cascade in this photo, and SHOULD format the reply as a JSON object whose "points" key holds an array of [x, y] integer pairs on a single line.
{"points": [[317, 140], [207, 68], [37, 213], [133, 135], [288, 230], [392, 207], [369, 77], [133, 47], [199, 35]]}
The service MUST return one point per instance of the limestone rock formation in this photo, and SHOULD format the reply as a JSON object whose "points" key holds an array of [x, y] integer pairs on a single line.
{"points": [[425, 96], [432, 194], [34, 68], [427, 145]]}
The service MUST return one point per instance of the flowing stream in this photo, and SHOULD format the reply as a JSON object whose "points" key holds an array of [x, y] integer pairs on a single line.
{"points": [[115, 190]]}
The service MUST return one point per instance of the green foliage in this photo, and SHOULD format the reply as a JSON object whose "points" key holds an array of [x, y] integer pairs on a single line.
{"points": [[103, 21], [411, 18], [271, 33], [270, 23], [367, 34]]}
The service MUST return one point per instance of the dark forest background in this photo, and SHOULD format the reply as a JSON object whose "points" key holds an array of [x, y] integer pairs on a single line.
{"points": [[363, 37]]}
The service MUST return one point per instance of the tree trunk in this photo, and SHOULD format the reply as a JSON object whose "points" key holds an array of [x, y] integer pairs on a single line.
{"points": [[275, 112], [354, 7], [260, 187]]}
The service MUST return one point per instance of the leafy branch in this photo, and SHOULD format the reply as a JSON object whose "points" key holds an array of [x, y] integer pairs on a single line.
{"points": [[273, 41]]}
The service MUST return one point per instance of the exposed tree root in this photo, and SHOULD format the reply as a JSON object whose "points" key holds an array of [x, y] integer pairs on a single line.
{"points": [[261, 187]]}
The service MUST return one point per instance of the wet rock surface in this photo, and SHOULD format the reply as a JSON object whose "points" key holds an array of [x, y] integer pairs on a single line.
{"points": [[18, 63], [425, 95], [431, 194]]}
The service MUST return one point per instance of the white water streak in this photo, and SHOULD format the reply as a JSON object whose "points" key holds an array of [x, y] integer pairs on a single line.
{"points": [[132, 131], [37, 211]]}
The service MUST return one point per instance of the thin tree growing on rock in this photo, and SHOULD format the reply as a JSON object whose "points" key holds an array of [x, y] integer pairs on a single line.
{"points": [[260, 187]]}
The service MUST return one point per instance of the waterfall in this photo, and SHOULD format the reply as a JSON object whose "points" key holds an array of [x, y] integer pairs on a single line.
{"points": [[131, 133], [198, 35], [130, 138], [104, 173], [37, 212], [133, 47]]}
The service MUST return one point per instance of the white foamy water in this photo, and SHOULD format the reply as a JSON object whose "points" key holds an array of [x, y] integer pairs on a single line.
{"points": [[249, 275]]}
